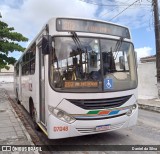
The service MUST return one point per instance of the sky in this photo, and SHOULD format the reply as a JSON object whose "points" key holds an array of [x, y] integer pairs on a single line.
{"points": [[29, 16]]}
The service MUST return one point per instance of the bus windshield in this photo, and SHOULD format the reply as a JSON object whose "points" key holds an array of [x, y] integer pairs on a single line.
{"points": [[92, 65]]}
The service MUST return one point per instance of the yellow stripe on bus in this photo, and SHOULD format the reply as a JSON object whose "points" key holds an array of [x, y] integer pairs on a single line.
{"points": [[43, 129]]}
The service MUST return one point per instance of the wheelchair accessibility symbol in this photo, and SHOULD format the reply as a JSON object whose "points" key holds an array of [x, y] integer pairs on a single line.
{"points": [[108, 83]]}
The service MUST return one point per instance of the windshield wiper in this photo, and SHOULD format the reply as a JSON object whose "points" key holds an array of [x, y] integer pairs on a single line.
{"points": [[118, 46], [76, 40], [80, 49]]}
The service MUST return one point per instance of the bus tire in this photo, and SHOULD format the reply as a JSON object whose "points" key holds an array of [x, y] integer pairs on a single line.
{"points": [[17, 99], [33, 115]]}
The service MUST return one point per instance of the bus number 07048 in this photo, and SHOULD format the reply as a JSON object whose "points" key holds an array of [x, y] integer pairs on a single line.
{"points": [[60, 128]]}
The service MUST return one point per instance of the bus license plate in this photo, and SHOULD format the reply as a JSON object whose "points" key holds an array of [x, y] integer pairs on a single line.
{"points": [[103, 127]]}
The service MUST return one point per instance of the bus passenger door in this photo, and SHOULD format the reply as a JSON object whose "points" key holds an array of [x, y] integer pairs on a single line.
{"points": [[42, 86]]}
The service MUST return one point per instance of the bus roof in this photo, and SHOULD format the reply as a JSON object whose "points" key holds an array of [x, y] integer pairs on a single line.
{"points": [[69, 18], [89, 19]]}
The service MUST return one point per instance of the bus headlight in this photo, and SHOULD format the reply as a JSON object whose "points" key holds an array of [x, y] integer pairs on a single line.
{"points": [[130, 111], [60, 114], [134, 106]]}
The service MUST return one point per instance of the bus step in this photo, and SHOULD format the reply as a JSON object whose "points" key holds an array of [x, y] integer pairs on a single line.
{"points": [[42, 128]]}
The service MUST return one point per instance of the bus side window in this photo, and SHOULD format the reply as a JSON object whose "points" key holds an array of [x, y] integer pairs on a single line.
{"points": [[32, 59], [28, 62], [23, 70], [17, 69], [27, 69], [32, 67], [22, 64]]}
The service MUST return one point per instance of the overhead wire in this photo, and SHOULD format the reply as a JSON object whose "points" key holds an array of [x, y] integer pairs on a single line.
{"points": [[111, 5], [123, 10], [111, 10], [123, 4]]}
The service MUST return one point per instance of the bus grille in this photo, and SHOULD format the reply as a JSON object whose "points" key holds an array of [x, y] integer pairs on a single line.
{"points": [[90, 104], [93, 130]]}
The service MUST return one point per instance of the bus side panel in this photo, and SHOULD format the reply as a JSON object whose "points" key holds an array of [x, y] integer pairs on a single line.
{"points": [[36, 85], [26, 93]]}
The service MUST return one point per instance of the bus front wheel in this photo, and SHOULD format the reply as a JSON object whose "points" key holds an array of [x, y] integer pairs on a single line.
{"points": [[17, 99], [33, 115]]}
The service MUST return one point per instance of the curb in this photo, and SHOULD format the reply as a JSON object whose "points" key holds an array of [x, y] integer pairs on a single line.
{"points": [[149, 108], [21, 125]]}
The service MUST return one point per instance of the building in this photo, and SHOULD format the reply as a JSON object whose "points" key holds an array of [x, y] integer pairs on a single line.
{"points": [[148, 59], [147, 80], [7, 75]]}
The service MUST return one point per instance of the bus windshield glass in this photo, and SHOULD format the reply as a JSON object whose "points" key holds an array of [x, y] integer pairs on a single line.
{"points": [[92, 65]]}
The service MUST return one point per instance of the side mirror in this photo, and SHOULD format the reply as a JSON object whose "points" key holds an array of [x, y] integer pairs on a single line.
{"points": [[46, 44], [122, 62]]}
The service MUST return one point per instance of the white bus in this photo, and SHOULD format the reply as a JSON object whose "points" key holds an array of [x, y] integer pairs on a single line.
{"points": [[79, 77]]}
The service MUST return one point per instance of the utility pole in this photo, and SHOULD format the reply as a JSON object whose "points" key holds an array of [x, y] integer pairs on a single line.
{"points": [[157, 38]]}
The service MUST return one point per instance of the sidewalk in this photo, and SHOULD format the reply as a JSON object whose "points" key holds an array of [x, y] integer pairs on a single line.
{"points": [[149, 104], [12, 131]]}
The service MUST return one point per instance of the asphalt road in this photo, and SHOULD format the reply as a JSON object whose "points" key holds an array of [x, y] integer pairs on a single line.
{"points": [[146, 132]]}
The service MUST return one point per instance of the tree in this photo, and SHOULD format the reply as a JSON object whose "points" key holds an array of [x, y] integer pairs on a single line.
{"points": [[9, 43]]}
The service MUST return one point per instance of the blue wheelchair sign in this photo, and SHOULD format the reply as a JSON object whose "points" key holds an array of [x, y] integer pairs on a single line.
{"points": [[108, 83]]}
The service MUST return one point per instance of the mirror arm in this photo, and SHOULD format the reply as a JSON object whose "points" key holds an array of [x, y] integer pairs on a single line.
{"points": [[46, 44]]}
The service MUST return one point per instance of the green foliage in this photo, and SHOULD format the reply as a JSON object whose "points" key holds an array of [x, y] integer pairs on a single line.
{"points": [[9, 43]]}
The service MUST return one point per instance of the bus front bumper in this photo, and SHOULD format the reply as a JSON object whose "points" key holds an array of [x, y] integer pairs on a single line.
{"points": [[59, 129]]}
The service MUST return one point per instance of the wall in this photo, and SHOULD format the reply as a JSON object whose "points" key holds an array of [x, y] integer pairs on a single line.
{"points": [[11, 69], [7, 75], [147, 82]]}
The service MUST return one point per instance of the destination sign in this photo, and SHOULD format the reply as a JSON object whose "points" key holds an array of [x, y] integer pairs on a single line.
{"points": [[88, 26], [80, 84]]}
